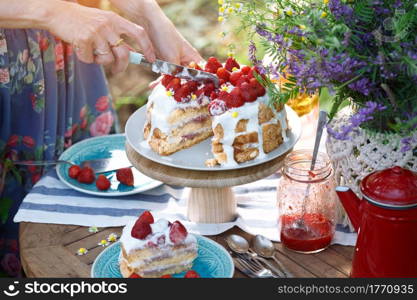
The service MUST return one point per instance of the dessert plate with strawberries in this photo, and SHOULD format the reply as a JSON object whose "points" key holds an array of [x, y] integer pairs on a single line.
{"points": [[121, 182]]}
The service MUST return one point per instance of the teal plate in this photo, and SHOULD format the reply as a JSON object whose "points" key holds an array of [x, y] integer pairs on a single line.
{"points": [[212, 261], [96, 148]]}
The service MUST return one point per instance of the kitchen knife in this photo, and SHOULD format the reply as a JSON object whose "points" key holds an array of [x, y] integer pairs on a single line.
{"points": [[163, 67]]}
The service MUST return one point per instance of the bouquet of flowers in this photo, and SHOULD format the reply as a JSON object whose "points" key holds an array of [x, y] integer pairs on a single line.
{"points": [[362, 51]]}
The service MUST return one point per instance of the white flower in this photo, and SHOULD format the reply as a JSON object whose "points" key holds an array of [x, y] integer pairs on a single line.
{"points": [[112, 237]]}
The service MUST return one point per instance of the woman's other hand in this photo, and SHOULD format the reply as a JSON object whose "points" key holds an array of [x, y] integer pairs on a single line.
{"points": [[169, 44], [96, 35]]}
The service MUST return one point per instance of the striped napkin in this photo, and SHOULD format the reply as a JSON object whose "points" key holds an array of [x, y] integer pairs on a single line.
{"points": [[51, 201]]}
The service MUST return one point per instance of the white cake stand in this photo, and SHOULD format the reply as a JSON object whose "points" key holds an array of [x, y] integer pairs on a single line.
{"points": [[211, 199]]}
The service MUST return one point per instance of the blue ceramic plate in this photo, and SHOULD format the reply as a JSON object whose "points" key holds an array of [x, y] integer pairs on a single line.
{"points": [[96, 148], [212, 261]]}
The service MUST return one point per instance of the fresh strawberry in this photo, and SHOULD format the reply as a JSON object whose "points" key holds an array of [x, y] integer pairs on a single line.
{"points": [[182, 95], [213, 95], [217, 107], [166, 79], [86, 175], [248, 94], [125, 176], [192, 85], [199, 92], [224, 74], [246, 69], [231, 63], [177, 232], [191, 274], [194, 65], [209, 88], [134, 275], [223, 95], [234, 77], [235, 99], [174, 85], [212, 65], [255, 85], [102, 183], [241, 80], [146, 217], [74, 171], [142, 227], [166, 276]]}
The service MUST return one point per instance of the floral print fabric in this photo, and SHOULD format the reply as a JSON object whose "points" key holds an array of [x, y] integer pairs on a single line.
{"points": [[48, 101]]}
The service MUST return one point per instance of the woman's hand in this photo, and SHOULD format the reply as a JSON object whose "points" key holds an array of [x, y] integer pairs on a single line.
{"points": [[169, 44], [96, 35]]}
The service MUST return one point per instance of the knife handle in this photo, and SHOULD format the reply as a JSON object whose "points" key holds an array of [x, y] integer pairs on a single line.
{"points": [[135, 57]]}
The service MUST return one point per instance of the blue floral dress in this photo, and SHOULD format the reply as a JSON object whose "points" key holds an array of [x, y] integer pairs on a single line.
{"points": [[48, 101]]}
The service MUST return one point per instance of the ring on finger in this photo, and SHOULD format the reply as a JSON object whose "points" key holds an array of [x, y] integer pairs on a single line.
{"points": [[100, 52], [118, 43]]}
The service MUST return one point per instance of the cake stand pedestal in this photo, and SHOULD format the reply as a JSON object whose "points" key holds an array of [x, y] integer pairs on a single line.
{"points": [[211, 199]]}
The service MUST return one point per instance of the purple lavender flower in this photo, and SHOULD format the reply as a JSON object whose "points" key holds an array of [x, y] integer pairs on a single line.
{"points": [[363, 86], [407, 144], [341, 11], [363, 115]]}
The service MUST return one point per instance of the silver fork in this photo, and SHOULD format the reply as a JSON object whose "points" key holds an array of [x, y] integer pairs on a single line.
{"points": [[252, 269]]}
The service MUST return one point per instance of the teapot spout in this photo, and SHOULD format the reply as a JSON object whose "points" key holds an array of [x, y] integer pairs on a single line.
{"points": [[351, 204]]}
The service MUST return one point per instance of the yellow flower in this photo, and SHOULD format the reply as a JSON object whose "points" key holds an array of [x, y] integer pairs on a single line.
{"points": [[222, 34], [325, 1], [112, 237], [234, 69], [323, 15], [238, 5], [221, 9], [302, 27], [220, 19], [169, 93], [230, 10], [82, 251], [193, 96], [220, 2], [230, 53], [224, 88], [103, 243], [235, 114], [289, 12]]}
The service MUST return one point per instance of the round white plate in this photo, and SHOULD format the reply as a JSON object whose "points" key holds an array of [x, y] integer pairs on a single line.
{"points": [[194, 158], [96, 148]]}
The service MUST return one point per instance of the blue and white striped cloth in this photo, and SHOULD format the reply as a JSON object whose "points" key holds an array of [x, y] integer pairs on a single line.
{"points": [[51, 201]]}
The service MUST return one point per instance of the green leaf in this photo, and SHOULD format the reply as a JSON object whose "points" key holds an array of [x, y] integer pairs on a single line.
{"points": [[5, 205]]}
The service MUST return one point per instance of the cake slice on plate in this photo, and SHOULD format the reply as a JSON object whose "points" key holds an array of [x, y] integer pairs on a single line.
{"points": [[153, 249]]}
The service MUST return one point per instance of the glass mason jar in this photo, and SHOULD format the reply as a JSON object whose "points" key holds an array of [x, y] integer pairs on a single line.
{"points": [[307, 202]]}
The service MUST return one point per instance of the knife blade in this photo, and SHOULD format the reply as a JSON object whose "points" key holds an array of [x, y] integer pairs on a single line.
{"points": [[164, 67]]}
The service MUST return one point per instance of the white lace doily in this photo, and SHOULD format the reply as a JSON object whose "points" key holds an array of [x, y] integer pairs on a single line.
{"points": [[364, 153]]}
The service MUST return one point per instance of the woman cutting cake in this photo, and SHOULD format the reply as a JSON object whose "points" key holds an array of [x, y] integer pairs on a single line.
{"points": [[52, 89]]}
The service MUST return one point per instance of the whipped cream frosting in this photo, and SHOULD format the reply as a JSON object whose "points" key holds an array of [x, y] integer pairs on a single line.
{"points": [[159, 228], [164, 105]]}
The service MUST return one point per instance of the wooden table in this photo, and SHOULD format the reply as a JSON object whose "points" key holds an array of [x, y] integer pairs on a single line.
{"points": [[50, 251]]}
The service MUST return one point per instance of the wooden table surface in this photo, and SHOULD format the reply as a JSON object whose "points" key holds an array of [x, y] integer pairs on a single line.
{"points": [[50, 251]]}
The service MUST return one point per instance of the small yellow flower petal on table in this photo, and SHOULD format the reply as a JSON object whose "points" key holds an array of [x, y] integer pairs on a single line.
{"points": [[220, 19], [230, 10], [235, 69], [193, 96], [221, 9], [169, 93], [224, 88], [235, 114], [112, 237], [103, 243], [82, 251]]}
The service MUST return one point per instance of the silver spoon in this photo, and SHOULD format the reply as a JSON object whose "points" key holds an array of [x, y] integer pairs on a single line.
{"points": [[321, 123], [240, 245], [265, 248]]}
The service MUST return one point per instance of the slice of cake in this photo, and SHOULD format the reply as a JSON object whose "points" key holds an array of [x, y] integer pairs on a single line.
{"points": [[245, 125], [153, 249]]}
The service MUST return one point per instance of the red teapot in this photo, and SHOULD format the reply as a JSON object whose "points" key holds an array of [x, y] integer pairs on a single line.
{"points": [[386, 222]]}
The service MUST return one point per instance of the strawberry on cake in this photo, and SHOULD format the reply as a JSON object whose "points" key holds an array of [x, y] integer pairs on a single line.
{"points": [[154, 249], [244, 125]]}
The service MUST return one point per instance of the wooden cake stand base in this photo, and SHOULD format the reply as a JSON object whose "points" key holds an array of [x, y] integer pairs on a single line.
{"points": [[211, 199]]}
